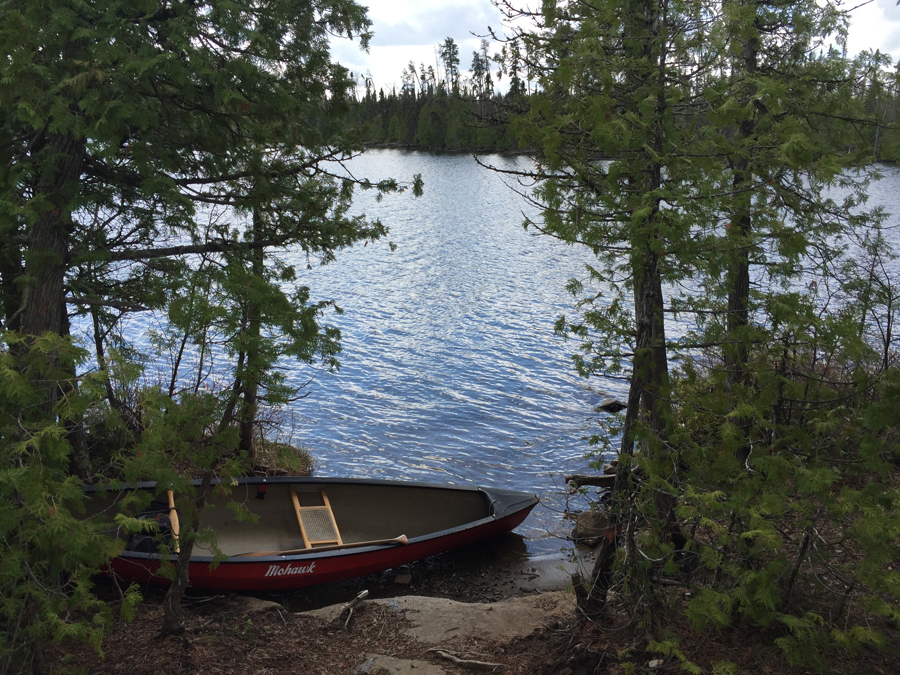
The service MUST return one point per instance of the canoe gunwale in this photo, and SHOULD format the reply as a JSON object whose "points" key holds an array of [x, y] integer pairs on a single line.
{"points": [[312, 554], [506, 509]]}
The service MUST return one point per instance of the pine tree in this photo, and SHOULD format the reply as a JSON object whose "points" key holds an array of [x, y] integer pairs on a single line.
{"points": [[691, 147], [122, 124]]}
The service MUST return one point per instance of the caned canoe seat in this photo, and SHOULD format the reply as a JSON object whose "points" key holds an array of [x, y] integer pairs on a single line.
{"points": [[317, 524]]}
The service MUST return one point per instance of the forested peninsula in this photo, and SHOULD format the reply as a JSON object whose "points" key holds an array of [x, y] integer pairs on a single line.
{"points": [[442, 106]]}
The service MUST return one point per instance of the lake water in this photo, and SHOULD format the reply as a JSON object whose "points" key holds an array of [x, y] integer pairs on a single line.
{"points": [[451, 371]]}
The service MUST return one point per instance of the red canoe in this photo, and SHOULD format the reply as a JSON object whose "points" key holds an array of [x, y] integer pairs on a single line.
{"points": [[314, 530]]}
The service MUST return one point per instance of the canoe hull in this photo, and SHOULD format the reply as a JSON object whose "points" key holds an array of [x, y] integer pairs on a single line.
{"points": [[506, 510]]}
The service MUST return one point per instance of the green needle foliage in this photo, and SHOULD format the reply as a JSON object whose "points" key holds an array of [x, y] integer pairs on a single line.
{"points": [[713, 157], [155, 156], [49, 553]]}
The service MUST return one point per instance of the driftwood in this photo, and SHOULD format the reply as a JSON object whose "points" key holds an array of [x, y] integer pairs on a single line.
{"points": [[469, 663], [349, 608], [598, 481]]}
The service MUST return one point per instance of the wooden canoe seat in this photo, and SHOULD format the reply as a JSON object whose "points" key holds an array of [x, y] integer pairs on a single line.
{"points": [[317, 524]]}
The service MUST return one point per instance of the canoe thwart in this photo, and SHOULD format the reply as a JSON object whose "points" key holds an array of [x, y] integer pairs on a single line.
{"points": [[345, 523], [402, 540]]}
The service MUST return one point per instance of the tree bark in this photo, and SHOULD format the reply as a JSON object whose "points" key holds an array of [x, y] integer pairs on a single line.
{"points": [[173, 613], [44, 306], [250, 378], [736, 351], [592, 599], [11, 270]]}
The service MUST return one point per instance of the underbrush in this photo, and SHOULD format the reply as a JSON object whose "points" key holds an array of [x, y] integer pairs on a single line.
{"points": [[774, 504]]}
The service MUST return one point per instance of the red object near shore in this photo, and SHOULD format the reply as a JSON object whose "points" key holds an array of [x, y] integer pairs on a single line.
{"points": [[307, 531]]}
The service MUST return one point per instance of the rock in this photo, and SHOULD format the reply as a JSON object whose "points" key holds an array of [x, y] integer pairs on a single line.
{"points": [[590, 526], [378, 663], [250, 605], [434, 620], [403, 579], [610, 405], [655, 663]]}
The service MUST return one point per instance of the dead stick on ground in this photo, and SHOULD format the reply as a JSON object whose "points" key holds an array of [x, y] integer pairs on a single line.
{"points": [[349, 607], [469, 663]]}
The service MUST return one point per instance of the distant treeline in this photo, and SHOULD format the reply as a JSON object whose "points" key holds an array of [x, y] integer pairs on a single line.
{"points": [[437, 120], [441, 107]]}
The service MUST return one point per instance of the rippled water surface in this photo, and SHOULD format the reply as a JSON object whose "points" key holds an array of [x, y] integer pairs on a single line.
{"points": [[450, 370]]}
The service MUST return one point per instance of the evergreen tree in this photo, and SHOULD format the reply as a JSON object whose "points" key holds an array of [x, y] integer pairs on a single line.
{"points": [[121, 123], [691, 147], [449, 53]]}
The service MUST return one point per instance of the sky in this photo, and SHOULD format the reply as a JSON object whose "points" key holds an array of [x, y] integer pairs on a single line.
{"points": [[411, 30]]}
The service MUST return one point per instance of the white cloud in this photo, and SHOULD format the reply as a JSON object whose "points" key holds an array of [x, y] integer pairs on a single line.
{"points": [[428, 27], [406, 30], [410, 30], [875, 25]]}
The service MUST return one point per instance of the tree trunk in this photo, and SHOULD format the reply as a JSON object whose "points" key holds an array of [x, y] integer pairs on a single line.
{"points": [[736, 352], [650, 369], [250, 378], [592, 597], [43, 295], [44, 298], [11, 269], [647, 394], [173, 613]]}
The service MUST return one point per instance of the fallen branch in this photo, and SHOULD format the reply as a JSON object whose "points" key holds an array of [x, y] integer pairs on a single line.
{"points": [[599, 481], [469, 663], [349, 607]]}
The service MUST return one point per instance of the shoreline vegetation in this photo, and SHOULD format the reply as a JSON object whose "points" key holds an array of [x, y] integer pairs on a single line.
{"points": [[444, 108]]}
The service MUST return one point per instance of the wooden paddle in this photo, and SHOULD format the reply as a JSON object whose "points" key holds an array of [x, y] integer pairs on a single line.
{"points": [[401, 540], [173, 519]]}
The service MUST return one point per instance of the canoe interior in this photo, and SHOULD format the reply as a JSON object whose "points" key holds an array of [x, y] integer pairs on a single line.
{"points": [[362, 512]]}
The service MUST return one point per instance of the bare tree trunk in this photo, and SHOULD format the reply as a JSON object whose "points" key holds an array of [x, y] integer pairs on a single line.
{"points": [[250, 378], [173, 613]]}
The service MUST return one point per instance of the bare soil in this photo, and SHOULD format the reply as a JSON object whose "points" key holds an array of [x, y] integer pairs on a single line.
{"points": [[229, 635]]}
